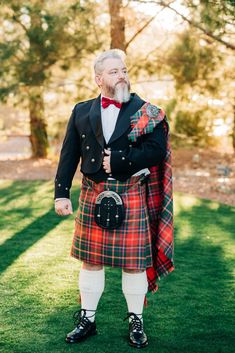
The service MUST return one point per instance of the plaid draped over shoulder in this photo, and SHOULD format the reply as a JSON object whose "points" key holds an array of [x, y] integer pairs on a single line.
{"points": [[160, 195]]}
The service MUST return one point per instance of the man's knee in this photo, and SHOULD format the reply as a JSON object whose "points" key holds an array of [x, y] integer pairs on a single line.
{"points": [[91, 267]]}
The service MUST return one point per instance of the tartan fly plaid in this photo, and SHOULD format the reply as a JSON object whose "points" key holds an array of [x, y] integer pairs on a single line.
{"points": [[160, 196], [128, 246]]}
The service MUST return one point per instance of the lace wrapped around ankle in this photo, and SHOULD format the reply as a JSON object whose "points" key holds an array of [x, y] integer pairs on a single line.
{"points": [[80, 318], [136, 322]]}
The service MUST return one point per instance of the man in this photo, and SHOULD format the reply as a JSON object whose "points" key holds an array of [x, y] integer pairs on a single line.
{"points": [[122, 142]]}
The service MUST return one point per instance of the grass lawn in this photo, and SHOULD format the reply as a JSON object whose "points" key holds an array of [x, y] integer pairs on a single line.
{"points": [[193, 311]]}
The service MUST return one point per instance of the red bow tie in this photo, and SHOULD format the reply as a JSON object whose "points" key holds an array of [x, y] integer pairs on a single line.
{"points": [[107, 101]]}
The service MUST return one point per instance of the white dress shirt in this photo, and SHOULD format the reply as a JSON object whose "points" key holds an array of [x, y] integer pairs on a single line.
{"points": [[109, 117]]}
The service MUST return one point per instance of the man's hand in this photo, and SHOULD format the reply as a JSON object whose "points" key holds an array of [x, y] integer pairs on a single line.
{"points": [[63, 207], [106, 161]]}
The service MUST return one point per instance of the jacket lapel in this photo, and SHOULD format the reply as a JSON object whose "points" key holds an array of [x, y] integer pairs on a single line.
{"points": [[95, 120], [126, 111]]}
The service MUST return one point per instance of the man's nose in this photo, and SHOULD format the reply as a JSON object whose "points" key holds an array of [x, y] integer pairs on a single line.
{"points": [[121, 74]]}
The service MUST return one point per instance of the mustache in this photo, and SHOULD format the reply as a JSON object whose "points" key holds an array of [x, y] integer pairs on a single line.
{"points": [[121, 81]]}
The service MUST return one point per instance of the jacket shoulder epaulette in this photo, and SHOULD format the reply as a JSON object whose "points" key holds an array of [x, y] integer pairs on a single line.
{"points": [[83, 105]]}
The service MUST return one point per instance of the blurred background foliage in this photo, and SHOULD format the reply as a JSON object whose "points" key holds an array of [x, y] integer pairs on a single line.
{"points": [[180, 55]]}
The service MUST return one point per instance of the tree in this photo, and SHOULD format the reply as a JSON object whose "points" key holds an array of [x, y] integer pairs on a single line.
{"points": [[36, 36], [215, 19], [208, 57], [117, 25], [118, 14], [213, 23]]}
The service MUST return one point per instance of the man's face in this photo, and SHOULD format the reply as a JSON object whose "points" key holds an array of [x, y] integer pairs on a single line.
{"points": [[113, 80]]}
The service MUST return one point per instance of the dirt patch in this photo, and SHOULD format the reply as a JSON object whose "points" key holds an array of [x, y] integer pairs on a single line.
{"points": [[27, 169], [207, 174]]}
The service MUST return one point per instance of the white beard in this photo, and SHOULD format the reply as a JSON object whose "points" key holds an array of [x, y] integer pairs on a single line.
{"points": [[122, 93]]}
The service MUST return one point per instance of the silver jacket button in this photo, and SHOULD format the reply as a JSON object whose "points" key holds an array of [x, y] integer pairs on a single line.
{"points": [[87, 147], [93, 160]]}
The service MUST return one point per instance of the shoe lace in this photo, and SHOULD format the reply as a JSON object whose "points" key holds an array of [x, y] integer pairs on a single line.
{"points": [[80, 318], [135, 322]]}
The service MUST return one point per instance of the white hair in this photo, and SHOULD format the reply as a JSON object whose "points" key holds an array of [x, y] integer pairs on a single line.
{"points": [[108, 54]]}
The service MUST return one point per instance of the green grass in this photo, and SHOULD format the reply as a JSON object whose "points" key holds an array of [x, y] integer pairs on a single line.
{"points": [[191, 313]]}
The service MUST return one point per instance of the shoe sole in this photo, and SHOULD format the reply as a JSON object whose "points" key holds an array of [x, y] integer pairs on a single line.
{"points": [[138, 346], [82, 339]]}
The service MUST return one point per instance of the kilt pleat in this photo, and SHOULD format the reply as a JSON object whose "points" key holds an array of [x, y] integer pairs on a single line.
{"points": [[128, 246]]}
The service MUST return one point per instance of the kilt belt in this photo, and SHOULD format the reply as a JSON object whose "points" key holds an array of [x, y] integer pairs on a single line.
{"points": [[128, 246]]}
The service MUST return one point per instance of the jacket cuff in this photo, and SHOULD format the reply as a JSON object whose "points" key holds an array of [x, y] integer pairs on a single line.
{"points": [[61, 190]]}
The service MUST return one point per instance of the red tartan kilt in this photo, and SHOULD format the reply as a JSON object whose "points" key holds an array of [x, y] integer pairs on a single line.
{"points": [[128, 246]]}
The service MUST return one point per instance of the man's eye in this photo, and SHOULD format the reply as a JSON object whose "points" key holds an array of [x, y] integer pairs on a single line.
{"points": [[113, 72]]}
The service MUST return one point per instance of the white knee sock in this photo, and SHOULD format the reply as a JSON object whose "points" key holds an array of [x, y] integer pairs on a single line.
{"points": [[134, 287], [91, 285]]}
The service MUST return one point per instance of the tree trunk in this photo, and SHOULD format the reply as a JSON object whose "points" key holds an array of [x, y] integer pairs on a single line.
{"points": [[117, 25], [233, 132], [38, 132]]}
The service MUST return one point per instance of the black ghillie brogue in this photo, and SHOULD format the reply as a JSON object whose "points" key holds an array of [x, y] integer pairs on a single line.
{"points": [[84, 327], [137, 337]]}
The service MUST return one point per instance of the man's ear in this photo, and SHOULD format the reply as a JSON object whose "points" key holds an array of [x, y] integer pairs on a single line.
{"points": [[98, 80]]}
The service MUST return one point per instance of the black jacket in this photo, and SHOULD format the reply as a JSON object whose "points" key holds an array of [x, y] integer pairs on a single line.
{"points": [[84, 140]]}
